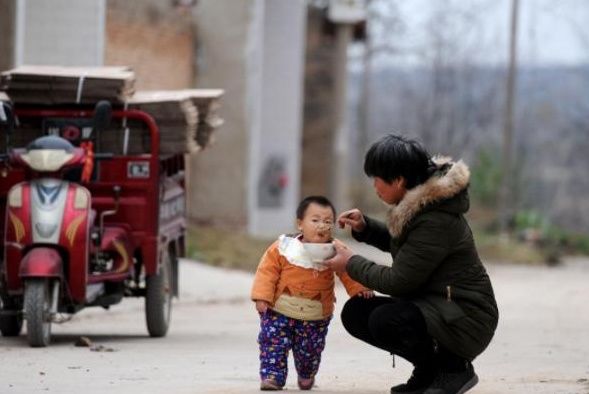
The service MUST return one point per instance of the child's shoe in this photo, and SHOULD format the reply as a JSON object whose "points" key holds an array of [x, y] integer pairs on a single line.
{"points": [[269, 385], [306, 384]]}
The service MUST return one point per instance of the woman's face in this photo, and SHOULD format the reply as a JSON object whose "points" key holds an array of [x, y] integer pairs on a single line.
{"points": [[390, 192], [316, 224]]}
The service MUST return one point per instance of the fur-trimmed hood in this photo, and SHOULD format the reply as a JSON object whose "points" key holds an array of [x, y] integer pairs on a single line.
{"points": [[448, 181]]}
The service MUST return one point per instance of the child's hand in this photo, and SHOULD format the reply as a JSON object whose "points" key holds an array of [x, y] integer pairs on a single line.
{"points": [[262, 306], [366, 294]]}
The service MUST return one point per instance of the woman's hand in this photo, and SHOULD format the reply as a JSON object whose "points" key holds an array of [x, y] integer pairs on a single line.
{"points": [[365, 294], [262, 306], [353, 219], [339, 262]]}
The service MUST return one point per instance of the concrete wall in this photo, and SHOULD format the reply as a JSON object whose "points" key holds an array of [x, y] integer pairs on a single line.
{"points": [[60, 32], [219, 175], [7, 32]]}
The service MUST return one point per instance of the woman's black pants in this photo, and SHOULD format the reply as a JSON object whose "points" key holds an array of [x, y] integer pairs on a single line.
{"points": [[397, 326]]}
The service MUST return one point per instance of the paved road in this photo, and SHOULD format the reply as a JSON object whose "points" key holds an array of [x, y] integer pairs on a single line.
{"points": [[541, 347]]}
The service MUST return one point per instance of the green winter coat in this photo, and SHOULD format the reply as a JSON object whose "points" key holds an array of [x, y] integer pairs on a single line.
{"points": [[436, 264]]}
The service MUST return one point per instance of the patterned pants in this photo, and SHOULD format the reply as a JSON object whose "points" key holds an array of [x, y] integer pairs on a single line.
{"points": [[279, 334]]}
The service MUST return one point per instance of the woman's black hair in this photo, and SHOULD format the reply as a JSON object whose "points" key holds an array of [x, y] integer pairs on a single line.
{"points": [[319, 200], [394, 156]]}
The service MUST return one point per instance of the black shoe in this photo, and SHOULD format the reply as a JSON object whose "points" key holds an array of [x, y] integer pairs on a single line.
{"points": [[420, 380], [453, 382]]}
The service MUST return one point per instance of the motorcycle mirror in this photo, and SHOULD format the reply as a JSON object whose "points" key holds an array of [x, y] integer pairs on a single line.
{"points": [[7, 117], [102, 115]]}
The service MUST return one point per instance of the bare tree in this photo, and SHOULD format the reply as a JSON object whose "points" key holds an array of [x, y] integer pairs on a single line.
{"points": [[457, 104], [384, 27]]}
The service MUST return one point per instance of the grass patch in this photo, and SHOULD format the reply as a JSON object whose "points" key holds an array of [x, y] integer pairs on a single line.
{"points": [[492, 247], [225, 247]]}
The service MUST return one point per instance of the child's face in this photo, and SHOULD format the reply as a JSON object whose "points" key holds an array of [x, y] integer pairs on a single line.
{"points": [[316, 224]]}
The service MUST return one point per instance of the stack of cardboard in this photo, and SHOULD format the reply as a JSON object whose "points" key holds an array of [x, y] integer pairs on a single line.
{"points": [[208, 102], [67, 85], [186, 118], [176, 117]]}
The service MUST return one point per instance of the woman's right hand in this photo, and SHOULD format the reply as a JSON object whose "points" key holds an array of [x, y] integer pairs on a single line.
{"points": [[353, 219], [262, 306]]}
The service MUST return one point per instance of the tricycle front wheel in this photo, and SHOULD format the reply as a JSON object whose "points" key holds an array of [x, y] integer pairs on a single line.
{"points": [[158, 299], [38, 312]]}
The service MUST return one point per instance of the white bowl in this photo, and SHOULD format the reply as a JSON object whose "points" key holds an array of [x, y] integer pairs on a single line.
{"points": [[319, 251]]}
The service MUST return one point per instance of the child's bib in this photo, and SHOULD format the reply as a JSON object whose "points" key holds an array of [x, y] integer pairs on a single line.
{"points": [[294, 251]]}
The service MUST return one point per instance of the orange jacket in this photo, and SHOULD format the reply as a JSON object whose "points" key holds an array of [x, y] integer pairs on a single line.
{"points": [[276, 276]]}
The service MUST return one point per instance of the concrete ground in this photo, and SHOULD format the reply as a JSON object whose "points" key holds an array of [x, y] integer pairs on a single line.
{"points": [[541, 345]]}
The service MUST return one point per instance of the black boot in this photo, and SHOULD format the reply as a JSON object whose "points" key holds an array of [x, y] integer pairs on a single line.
{"points": [[454, 382], [420, 380]]}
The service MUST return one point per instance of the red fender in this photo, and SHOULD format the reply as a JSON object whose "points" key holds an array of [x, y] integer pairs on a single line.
{"points": [[41, 263]]}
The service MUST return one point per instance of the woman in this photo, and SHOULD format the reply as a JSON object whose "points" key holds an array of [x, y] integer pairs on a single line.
{"points": [[440, 312]]}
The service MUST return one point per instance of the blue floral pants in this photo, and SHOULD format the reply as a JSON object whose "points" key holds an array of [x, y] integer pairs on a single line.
{"points": [[279, 334]]}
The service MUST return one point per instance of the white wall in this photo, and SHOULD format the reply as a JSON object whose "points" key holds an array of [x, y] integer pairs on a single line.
{"points": [[60, 32], [275, 132]]}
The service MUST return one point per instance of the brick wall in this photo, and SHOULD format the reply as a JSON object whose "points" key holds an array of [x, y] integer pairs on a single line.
{"points": [[156, 38]]}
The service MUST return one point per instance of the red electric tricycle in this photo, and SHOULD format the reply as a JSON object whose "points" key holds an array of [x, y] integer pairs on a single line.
{"points": [[84, 221]]}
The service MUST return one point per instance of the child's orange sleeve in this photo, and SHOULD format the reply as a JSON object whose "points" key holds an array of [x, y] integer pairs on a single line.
{"points": [[352, 287], [267, 275]]}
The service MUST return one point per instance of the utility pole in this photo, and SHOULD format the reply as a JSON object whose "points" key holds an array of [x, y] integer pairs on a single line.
{"points": [[505, 192]]}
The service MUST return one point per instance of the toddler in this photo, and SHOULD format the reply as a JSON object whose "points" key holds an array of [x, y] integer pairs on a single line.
{"points": [[294, 295]]}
